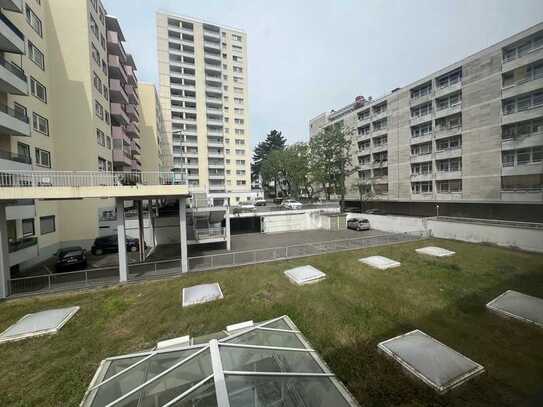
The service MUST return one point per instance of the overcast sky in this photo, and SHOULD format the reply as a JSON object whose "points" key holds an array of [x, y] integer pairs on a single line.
{"points": [[307, 57]]}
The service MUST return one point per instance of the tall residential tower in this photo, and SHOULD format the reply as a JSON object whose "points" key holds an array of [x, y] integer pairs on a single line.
{"points": [[204, 97]]}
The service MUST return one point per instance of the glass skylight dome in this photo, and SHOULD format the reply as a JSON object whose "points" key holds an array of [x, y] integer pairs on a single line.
{"points": [[267, 364]]}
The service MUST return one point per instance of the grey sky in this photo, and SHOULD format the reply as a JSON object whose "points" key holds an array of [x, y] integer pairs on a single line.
{"points": [[306, 57]]}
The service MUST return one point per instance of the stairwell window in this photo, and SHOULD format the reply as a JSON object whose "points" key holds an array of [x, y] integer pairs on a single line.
{"points": [[47, 224], [36, 55], [33, 20], [38, 90], [40, 124], [43, 158]]}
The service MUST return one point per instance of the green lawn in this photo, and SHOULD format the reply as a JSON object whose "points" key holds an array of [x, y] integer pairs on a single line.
{"points": [[344, 317]]}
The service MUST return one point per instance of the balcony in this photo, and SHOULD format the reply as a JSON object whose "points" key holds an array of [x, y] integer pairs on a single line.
{"points": [[445, 175], [215, 122], [526, 141], [426, 176], [212, 142], [215, 154], [365, 166], [449, 153], [523, 169], [22, 250], [445, 90], [448, 111], [120, 157], [528, 114], [420, 158], [118, 112], [522, 86], [380, 147], [117, 93], [132, 95], [133, 130], [421, 139], [116, 68], [135, 148], [133, 113], [11, 38], [13, 122], [135, 165], [532, 56], [421, 99], [12, 78], [12, 5], [379, 116], [114, 45], [379, 132], [12, 161], [379, 164], [444, 132], [131, 74], [216, 176], [118, 133], [414, 120]]}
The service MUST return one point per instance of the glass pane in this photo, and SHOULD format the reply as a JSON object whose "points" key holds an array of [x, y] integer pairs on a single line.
{"points": [[269, 338], [203, 396], [138, 375], [253, 391], [171, 384], [267, 360], [120, 364], [281, 323]]}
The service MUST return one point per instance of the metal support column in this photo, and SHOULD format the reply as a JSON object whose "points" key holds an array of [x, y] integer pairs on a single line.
{"points": [[141, 230], [4, 254], [227, 229], [121, 241], [183, 234]]}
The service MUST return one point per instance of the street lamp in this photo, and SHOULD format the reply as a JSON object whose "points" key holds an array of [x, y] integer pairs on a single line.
{"points": [[437, 211]]}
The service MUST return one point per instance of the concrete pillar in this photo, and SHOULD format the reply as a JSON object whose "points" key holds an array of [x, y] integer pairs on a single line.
{"points": [[227, 228], [141, 230], [183, 234], [121, 241], [4, 254]]}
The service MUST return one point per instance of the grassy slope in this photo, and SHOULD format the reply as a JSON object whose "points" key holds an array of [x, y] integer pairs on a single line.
{"points": [[344, 317]]}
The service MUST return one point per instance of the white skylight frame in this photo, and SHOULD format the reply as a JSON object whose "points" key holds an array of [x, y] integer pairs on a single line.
{"points": [[219, 373], [492, 306]]}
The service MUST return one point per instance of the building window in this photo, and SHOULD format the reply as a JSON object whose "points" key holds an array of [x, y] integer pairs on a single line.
{"points": [[99, 110], [43, 158], [100, 137], [104, 67], [38, 90], [33, 20], [23, 150], [422, 90], [94, 27], [102, 164], [424, 187], [450, 186], [40, 124], [28, 227], [236, 37], [20, 111], [108, 143], [97, 82], [36, 55], [47, 224]]}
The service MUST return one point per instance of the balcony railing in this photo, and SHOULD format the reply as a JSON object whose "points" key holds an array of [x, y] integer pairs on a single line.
{"points": [[38, 179], [14, 113], [14, 69], [20, 244], [20, 158], [12, 26]]}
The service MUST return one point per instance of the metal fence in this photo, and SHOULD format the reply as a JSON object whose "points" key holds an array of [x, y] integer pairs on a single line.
{"points": [[34, 179], [138, 271]]}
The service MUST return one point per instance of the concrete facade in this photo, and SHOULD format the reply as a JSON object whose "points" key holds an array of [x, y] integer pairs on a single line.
{"points": [[205, 100], [471, 132]]}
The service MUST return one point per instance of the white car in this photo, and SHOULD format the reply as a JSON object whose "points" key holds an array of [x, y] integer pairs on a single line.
{"points": [[291, 204], [248, 206]]}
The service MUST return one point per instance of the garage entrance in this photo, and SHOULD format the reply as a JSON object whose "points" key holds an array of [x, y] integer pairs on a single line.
{"points": [[245, 225]]}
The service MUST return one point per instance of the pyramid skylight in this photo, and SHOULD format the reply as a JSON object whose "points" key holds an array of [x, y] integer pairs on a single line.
{"points": [[265, 364]]}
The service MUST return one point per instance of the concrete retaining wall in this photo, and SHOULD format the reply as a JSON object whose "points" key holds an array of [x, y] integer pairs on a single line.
{"points": [[395, 224], [522, 238]]}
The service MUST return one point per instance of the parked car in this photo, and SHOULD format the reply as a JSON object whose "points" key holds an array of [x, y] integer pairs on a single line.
{"points": [[291, 204], [375, 212], [358, 224], [248, 206], [108, 244], [71, 258], [260, 202], [277, 201]]}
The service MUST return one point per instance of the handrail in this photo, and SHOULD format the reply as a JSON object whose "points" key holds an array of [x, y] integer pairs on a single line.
{"points": [[14, 113], [12, 26], [14, 69]]}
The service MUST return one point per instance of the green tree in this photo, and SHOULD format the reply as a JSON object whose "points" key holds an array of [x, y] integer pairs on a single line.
{"points": [[274, 141], [331, 160]]}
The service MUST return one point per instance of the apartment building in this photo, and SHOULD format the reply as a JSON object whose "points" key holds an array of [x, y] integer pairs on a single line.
{"points": [[156, 149], [470, 133], [61, 67], [204, 97]]}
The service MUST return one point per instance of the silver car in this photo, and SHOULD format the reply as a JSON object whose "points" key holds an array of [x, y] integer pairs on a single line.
{"points": [[358, 224]]}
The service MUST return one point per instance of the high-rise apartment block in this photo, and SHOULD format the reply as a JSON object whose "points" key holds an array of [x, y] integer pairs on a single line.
{"points": [[204, 97], [68, 102], [469, 133]]}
